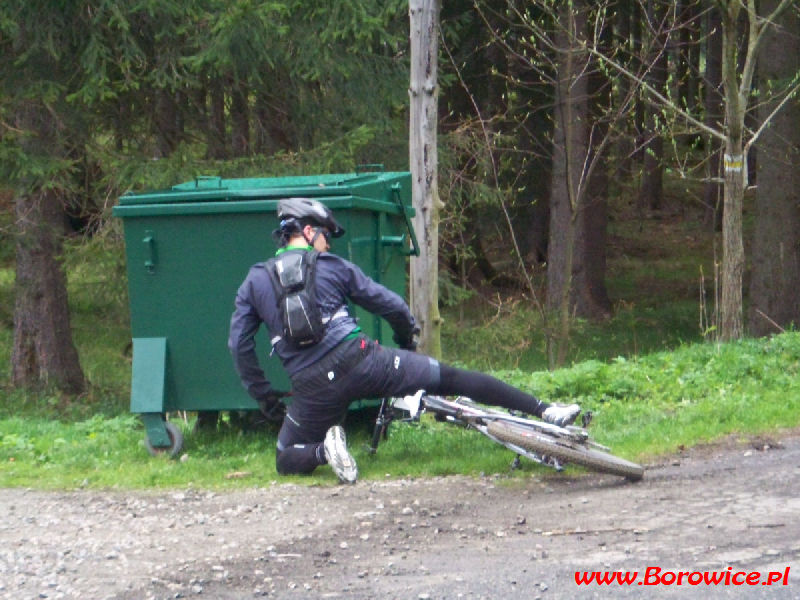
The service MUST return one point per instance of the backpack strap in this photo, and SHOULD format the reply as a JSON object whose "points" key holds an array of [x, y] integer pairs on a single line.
{"points": [[280, 294], [311, 272], [280, 291]]}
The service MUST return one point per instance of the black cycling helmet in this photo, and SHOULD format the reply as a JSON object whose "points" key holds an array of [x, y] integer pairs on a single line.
{"points": [[306, 210]]}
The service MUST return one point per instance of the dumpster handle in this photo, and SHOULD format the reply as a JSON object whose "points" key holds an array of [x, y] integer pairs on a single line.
{"points": [[150, 244], [208, 181], [414, 251]]}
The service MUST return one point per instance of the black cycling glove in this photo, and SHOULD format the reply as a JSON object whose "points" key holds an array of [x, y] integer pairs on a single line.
{"points": [[271, 406], [409, 340]]}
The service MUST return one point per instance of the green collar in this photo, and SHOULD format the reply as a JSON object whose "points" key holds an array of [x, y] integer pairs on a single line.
{"points": [[286, 248]]}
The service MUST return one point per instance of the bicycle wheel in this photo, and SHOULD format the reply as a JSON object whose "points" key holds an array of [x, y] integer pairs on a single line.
{"points": [[572, 452]]}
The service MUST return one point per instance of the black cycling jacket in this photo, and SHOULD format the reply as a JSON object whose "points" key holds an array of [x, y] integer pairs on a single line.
{"points": [[338, 281]]}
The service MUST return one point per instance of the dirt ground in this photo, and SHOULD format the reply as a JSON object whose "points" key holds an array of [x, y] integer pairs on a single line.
{"points": [[729, 508]]}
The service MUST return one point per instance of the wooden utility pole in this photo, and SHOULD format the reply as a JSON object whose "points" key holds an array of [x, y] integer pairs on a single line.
{"points": [[423, 93]]}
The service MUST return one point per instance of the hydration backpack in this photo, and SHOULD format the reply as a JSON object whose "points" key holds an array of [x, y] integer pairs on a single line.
{"points": [[293, 275]]}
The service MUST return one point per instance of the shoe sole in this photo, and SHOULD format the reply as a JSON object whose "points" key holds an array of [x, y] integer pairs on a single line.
{"points": [[347, 462]]}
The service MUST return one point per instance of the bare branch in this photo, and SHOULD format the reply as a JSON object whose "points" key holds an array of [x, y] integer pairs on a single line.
{"points": [[771, 322], [10, 127], [639, 80], [770, 19], [758, 28], [788, 96]]}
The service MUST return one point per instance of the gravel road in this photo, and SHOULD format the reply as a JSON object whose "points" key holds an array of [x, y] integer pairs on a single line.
{"points": [[730, 508]]}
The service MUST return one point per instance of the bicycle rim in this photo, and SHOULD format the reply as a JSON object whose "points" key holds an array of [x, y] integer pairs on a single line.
{"points": [[571, 452]]}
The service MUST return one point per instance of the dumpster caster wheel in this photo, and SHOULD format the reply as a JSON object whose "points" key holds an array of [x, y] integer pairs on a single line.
{"points": [[175, 439]]}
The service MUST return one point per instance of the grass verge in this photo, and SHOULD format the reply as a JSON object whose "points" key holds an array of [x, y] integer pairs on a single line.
{"points": [[644, 408]]}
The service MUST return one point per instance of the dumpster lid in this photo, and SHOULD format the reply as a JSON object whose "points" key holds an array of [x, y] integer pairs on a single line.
{"points": [[214, 189]]}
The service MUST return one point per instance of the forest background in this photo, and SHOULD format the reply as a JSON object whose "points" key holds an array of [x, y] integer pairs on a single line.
{"points": [[565, 129]]}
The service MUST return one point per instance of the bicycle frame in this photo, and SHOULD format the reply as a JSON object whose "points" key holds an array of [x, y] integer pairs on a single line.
{"points": [[541, 442], [466, 413]]}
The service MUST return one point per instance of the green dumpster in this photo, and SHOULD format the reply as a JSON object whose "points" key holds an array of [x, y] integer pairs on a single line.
{"points": [[188, 249]]}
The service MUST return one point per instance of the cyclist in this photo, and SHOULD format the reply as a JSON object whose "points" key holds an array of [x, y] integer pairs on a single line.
{"points": [[345, 365]]}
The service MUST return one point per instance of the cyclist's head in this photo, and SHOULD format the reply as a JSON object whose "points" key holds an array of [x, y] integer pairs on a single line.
{"points": [[297, 213]]}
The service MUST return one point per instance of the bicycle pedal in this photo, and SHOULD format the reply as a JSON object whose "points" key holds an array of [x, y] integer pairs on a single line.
{"points": [[552, 462]]}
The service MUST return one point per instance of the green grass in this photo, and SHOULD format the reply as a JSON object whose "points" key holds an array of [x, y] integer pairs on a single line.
{"points": [[644, 408]]}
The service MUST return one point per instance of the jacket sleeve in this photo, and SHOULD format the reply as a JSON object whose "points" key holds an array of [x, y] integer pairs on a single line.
{"points": [[245, 323]]}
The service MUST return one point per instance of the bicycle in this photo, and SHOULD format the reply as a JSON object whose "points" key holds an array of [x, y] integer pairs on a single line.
{"points": [[547, 444]]}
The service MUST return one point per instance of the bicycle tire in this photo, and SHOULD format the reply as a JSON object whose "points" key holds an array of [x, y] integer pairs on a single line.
{"points": [[571, 452]]}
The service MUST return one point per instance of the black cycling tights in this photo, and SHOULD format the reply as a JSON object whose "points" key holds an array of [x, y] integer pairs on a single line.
{"points": [[486, 389]]}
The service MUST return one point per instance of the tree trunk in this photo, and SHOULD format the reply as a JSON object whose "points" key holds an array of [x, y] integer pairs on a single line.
{"points": [[576, 257], [43, 352], [215, 132], [570, 149], [240, 120], [714, 116], [735, 181], [424, 94], [262, 113], [651, 191], [732, 244], [273, 126], [775, 280], [626, 143], [166, 123], [590, 285]]}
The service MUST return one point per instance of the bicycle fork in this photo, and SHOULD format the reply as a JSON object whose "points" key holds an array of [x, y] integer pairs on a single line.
{"points": [[382, 421]]}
